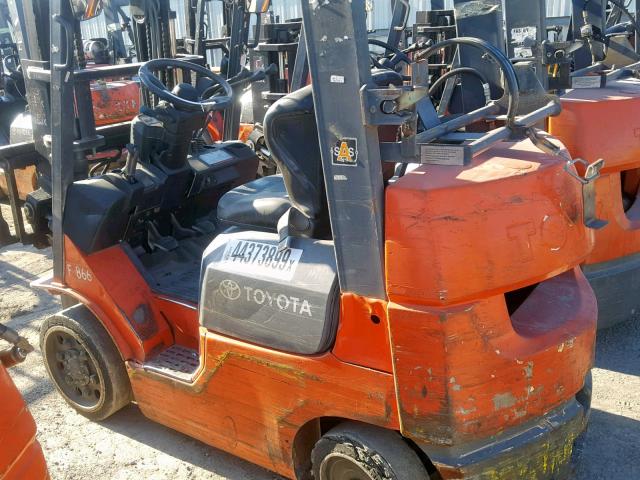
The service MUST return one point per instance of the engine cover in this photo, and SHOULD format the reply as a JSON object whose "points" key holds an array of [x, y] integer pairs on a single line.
{"points": [[284, 300]]}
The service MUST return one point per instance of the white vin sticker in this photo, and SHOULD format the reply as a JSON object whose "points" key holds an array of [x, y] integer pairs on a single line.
{"points": [[256, 258]]}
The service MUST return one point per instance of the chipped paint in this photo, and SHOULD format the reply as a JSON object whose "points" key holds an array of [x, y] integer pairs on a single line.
{"points": [[528, 370], [464, 411], [503, 400]]}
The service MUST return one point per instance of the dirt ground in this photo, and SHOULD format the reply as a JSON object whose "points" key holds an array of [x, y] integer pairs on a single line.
{"points": [[129, 446]]}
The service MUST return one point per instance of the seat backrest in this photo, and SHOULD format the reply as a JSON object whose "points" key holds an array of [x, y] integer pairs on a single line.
{"points": [[291, 134]]}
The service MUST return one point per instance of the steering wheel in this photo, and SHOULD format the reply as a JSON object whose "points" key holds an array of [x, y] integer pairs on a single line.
{"points": [[389, 63], [155, 86]]}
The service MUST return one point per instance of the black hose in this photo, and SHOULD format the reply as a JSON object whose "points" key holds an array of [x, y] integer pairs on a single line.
{"points": [[504, 63], [455, 72]]}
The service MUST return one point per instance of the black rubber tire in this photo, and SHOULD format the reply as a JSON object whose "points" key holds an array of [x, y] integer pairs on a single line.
{"points": [[92, 336], [382, 453]]}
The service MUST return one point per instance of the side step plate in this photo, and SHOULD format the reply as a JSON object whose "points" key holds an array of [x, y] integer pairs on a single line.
{"points": [[176, 361]]}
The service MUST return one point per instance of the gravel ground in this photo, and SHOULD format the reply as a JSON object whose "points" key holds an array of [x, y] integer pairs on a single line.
{"points": [[129, 446]]}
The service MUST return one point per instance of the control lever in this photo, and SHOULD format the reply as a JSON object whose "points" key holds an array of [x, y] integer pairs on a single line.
{"points": [[249, 77], [132, 162]]}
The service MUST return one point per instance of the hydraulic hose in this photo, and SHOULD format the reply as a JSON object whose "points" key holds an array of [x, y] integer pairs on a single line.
{"points": [[513, 91]]}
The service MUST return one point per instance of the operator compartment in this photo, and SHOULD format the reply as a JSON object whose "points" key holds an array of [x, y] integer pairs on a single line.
{"points": [[162, 204]]}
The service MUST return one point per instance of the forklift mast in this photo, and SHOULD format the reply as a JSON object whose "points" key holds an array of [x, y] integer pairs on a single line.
{"points": [[341, 78]]}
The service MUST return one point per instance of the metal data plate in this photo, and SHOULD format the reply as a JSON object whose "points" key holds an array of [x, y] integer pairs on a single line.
{"points": [[441, 154], [589, 81]]}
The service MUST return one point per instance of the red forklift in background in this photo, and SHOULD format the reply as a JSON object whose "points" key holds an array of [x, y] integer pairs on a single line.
{"points": [[20, 453], [362, 323]]}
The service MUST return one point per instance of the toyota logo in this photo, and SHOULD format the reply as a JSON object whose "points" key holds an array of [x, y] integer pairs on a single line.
{"points": [[229, 289]]}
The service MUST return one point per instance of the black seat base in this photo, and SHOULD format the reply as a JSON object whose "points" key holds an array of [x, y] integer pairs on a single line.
{"points": [[258, 204]]}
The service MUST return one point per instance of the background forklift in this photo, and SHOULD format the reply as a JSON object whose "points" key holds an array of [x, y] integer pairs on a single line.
{"points": [[105, 101], [350, 329], [599, 60], [600, 120]]}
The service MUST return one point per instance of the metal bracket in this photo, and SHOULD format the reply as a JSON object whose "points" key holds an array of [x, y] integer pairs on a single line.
{"points": [[592, 173], [390, 106]]}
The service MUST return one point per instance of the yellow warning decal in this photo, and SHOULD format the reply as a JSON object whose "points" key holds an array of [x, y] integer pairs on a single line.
{"points": [[345, 152]]}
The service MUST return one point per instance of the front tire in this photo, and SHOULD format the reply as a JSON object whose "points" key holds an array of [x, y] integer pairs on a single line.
{"points": [[357, 451], [84, 363]]}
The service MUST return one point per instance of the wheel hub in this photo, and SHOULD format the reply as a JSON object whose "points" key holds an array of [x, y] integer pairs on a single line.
{"points": [[76, 368], [342, 467], [73, 369]]}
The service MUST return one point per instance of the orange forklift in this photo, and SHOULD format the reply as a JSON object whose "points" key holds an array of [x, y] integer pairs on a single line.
{"points": [[595, 71], [600, 120], [20, 453], [360, 325]]}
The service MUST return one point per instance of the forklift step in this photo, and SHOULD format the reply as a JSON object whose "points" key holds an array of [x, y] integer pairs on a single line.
{"points": [[176, 361]]}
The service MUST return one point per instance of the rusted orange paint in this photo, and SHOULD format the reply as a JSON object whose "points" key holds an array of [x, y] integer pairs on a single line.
{"points": [[457, 240], [20, 455], [26, 182], [605, 123], [251, 401], [113, 295], [487, 371]]}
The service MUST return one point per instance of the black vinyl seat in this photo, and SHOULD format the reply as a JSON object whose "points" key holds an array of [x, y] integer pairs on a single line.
{"points": [[291, 135], [257, 204], [292, 138]]}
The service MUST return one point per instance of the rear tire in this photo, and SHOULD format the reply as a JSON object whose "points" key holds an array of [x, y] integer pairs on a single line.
{"points": [[357, 451], [84, 364]]}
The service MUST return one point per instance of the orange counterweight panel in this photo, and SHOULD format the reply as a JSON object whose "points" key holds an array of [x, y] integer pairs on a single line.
{"points": [[20, 453], [508, 220], [488, 371], [492, 323]]}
